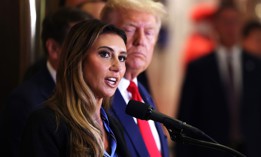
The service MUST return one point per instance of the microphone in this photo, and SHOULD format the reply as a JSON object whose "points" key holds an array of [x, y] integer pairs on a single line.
{"points": [[175, 127], [146, 112]]}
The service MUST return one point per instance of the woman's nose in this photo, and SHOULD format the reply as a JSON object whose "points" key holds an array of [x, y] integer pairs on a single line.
{"points": [[115, 66]]}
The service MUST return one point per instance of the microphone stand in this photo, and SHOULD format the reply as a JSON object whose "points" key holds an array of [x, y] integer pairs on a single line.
{"points": [[176, 128], [179, 137]]}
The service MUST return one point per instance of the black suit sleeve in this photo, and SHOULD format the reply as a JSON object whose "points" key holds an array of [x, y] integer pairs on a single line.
{"points": [[42, 137]]}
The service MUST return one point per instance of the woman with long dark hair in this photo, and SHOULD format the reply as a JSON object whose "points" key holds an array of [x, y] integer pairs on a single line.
{"points": [[73, 121]]}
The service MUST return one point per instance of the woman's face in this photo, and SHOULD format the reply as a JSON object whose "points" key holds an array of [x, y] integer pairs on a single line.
{"points": [[104, 65]]}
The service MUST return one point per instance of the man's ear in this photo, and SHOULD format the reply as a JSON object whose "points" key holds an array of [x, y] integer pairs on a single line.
{"points": [[53, 48]]}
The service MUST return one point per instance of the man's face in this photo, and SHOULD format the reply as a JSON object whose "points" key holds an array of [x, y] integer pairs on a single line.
{"points": [[252, 42], [142, 30], [228, 26]]}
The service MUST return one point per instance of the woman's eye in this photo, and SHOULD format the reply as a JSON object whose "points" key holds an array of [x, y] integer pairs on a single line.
{"points": [[104, 54], [122, 58]]}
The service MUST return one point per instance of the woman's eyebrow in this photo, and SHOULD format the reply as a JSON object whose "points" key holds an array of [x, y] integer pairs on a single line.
{"points": [[106, 47], [124, 53], [111, 49]]}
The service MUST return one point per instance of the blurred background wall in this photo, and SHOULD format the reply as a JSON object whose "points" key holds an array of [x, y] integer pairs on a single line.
{"points": [[21, 46]]}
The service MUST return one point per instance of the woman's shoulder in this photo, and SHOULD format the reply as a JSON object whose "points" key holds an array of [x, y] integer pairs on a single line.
{"points": [[43, 114], [45, 118], [45, 134]]}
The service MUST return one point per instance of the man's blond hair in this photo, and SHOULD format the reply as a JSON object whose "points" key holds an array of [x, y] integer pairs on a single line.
{"points": [[155, 8]]}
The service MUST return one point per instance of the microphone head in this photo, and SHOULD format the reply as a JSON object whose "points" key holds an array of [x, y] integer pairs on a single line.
{"points": [[138, 109]]}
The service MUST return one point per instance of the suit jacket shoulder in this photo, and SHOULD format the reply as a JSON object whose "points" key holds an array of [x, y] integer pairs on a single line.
{"points": [[34, 90], [24, 99], [204, 62], [251, 62], [43, 136]]}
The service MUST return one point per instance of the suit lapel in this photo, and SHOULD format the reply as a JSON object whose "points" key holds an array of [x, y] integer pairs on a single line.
{"points": [[216, 73], [217, 81], [130, 127]]}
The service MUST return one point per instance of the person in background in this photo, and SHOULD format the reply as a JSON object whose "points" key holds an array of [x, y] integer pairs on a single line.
{"points": [[221, 92], [141, 20], [39, 86], [73, 121], [251, 37], [201, 41], [93, 7]]}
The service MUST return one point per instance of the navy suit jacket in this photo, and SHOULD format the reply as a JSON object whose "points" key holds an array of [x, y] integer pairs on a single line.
{"points": [[204, 104], [24, 99], [135, 143]]}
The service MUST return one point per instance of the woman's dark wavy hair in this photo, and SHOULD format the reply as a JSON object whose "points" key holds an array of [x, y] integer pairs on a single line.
{"points": [[73, 100]]}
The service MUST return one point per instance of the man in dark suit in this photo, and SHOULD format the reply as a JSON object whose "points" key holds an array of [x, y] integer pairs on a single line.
{"points": [[141, 20], [36, 89], [221, 93]]}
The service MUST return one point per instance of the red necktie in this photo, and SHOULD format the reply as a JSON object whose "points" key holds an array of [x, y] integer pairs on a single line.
{"points": [[144, 125]]}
